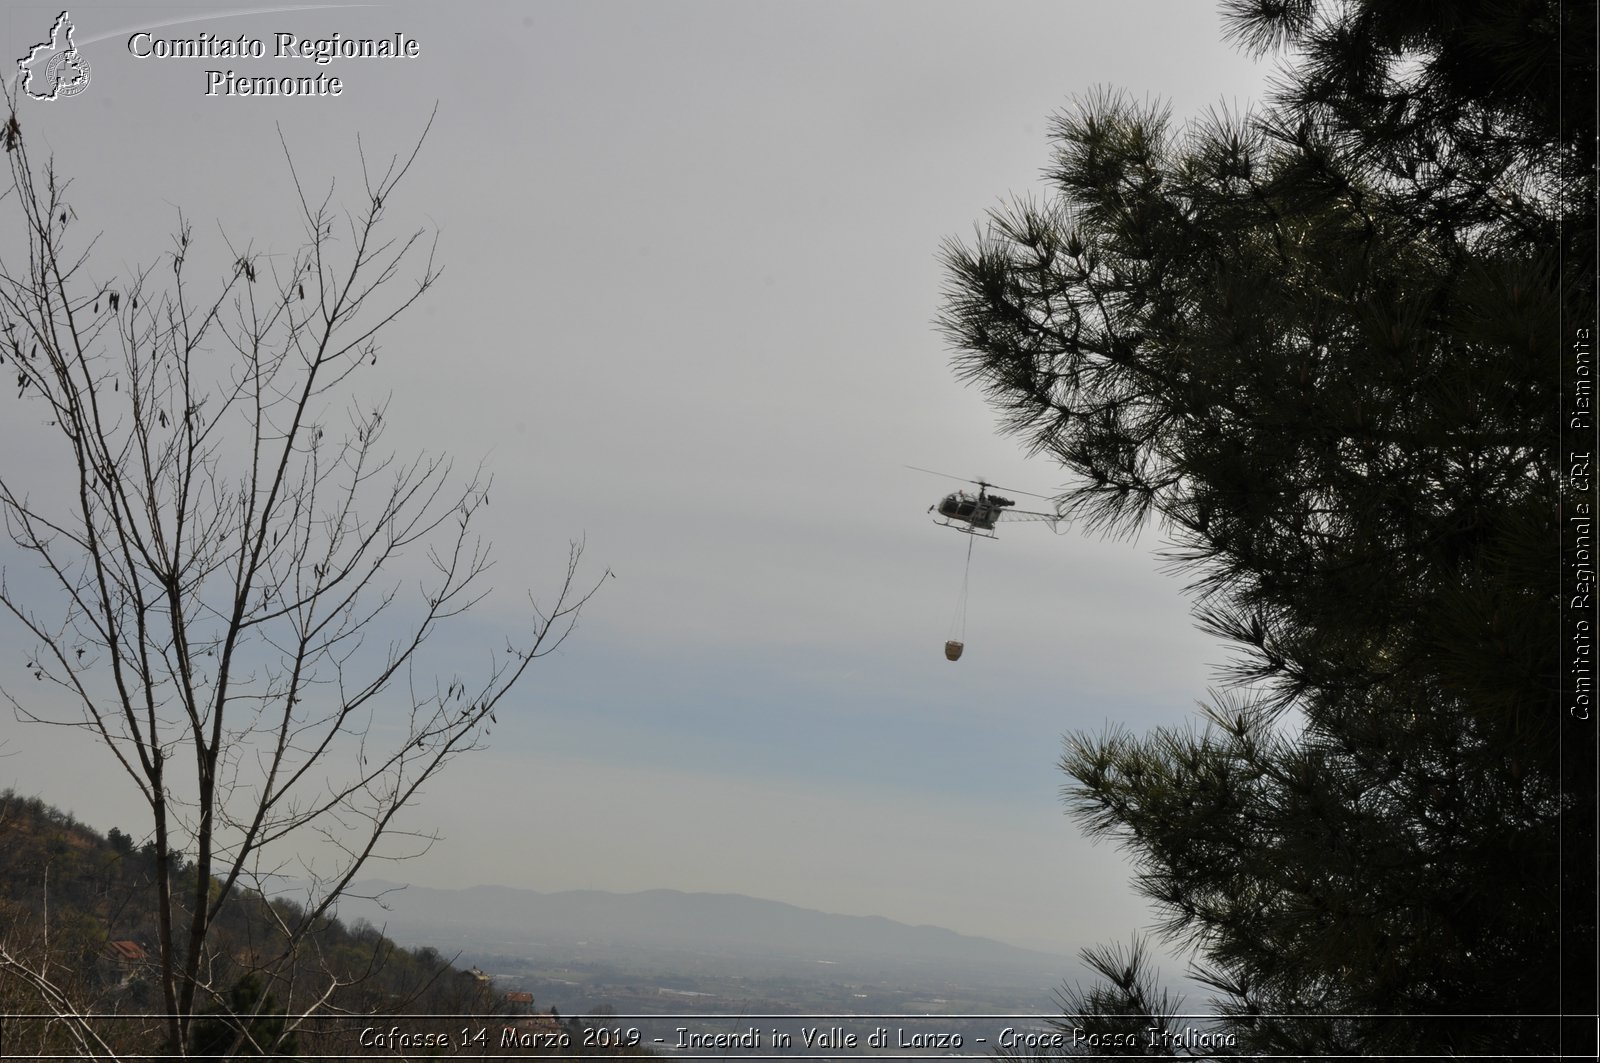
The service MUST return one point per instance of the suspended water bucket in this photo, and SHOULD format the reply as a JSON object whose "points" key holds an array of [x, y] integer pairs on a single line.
{"points": [[952, 650]]}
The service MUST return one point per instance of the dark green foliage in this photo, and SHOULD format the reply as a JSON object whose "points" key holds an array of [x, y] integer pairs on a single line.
{"points": [[251, 1024], [1116, 1017], [121, 844], [1319, 345]]}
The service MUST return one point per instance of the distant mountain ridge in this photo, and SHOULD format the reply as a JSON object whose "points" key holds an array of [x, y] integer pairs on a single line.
{"points": [[664, 918]]}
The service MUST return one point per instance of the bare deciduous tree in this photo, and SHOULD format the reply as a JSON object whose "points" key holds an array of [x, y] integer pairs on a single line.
{"points": [[238, 590]]}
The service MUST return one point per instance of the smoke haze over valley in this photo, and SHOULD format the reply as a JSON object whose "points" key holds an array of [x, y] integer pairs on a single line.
{"points": [[667, 951]]}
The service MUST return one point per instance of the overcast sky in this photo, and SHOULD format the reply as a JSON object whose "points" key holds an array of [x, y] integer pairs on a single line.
{"points": [[690, 255]]}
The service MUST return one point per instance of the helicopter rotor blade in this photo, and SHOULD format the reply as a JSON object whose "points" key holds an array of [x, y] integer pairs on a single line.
{"points": [[980, 483], [931, 472]]}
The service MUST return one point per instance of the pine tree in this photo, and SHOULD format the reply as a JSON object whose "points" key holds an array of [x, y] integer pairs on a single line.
{"points": [[1318, 345]]}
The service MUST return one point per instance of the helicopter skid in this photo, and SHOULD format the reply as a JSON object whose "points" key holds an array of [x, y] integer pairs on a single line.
{"points": [[967, 529]]}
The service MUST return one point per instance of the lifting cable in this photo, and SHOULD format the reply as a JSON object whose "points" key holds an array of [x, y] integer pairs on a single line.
{"points": [[958, 623]]}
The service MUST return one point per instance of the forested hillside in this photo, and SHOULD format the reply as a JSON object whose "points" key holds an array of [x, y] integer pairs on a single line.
{"points": [[78, 915]]}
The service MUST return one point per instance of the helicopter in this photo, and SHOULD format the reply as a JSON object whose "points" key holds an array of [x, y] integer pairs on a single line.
{"points": [[977, 514]]}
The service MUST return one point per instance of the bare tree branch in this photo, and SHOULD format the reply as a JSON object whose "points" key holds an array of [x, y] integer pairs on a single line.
{"points": [[237, 596]]}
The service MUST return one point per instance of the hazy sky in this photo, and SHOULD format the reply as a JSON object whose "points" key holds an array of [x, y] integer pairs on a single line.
{"points": [[690, 279]]}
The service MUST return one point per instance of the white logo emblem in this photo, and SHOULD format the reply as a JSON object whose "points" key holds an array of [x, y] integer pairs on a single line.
{"points": [[55, 68]]}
